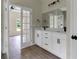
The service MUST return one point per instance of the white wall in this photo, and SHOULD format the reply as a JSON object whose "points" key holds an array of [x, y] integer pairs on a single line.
{"points": [[12, 23], [35, 5], [46, 8]]}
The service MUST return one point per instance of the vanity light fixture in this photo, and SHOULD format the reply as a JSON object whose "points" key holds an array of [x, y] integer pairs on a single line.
{"points": [[54, 2]]}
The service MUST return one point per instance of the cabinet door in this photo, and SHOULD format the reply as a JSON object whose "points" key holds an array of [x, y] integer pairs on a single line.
{"points": [[51, 42], [38, 37], [53, 46], [57, 44], [62, 46], [62, 49]]}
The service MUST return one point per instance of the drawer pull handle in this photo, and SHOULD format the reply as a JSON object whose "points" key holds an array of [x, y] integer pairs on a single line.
{"points": [[46, 44], [46, 33], [46, 37]]}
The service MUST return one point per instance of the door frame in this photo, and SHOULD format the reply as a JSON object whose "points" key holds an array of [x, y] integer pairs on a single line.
{"points": [[28, 9], [73, 29], [5, 18]]}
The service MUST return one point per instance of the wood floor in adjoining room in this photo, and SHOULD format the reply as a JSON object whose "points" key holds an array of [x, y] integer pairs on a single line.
{"points": [[35, 52]]}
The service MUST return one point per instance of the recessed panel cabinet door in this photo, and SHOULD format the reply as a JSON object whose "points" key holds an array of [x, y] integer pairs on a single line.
{"points": [[57, 44], [51, 42], [62, 45], [62, 48], [53, 46], [38, 38]]}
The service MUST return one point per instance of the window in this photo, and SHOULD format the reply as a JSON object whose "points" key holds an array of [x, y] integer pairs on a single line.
{"points": [[18, 25]]}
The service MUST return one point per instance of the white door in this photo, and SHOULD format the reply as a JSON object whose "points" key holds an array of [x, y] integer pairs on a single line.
{"points": [[73, 30], [26, 28]]}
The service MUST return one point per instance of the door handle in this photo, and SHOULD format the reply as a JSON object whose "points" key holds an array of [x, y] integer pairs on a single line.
{"points": [[74, 37]]}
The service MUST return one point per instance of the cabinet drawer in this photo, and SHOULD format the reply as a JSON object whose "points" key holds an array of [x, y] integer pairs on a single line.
{"points": [[45, 46], [46, 35]]}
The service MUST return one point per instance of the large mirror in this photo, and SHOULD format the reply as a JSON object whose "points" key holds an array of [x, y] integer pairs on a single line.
{"points": [[54, 19]]}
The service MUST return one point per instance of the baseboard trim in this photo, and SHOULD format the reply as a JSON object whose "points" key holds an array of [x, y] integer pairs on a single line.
{"points": [[28, 45]]}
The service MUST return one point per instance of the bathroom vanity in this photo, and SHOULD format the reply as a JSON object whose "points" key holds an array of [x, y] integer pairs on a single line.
{"points": [[53, 38], [53, 42]]}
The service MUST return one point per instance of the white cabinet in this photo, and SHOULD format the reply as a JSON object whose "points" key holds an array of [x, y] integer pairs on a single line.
{"points": [[38, 38], [52, 41], [58, 44], [42, 39]]}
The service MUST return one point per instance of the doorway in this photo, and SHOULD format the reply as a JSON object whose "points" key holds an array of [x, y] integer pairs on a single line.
{"points": [[19, 30]]}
